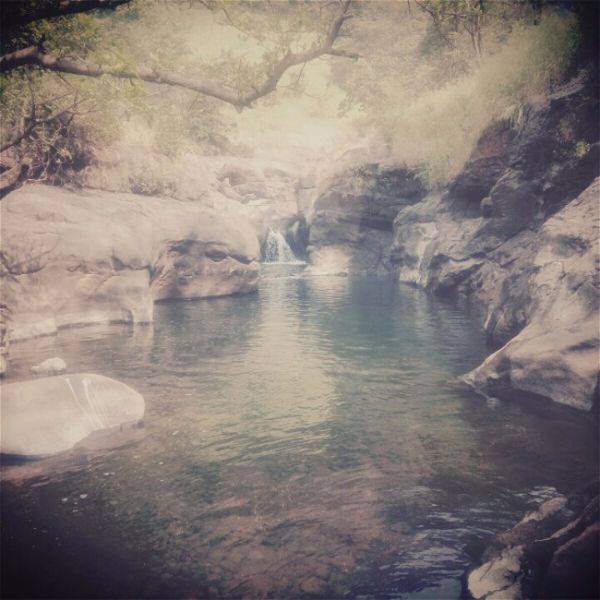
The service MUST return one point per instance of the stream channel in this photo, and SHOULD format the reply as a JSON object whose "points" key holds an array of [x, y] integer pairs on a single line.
{"points": [[308, 440]]}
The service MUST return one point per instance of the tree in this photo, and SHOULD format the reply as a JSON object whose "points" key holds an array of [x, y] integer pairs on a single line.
{"points": [[450, 16], [74, 40], [35, 55], [20, 14]]}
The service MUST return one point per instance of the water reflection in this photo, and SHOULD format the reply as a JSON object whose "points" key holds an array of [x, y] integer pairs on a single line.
{"points": [[303, 441]]}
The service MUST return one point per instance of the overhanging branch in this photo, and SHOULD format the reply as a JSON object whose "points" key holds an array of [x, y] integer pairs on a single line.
{"points": [[19, 14], [22, 131], [35, 56]]}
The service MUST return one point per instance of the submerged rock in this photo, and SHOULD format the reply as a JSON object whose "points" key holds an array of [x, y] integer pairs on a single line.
{"points": [[51, 366], [46, 416]]}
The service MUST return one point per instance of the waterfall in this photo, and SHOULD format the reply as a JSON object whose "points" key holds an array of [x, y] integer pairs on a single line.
{"points": [[277, 250]]}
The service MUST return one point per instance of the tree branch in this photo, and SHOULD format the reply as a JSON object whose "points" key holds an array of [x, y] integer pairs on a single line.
{"points": [[11, 169], [344, 54], [19, 14], [34, 56], [21, 132]]}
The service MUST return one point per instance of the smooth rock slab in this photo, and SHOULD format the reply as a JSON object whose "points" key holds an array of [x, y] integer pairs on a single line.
{"points": [[46, 416], [77, 258]]}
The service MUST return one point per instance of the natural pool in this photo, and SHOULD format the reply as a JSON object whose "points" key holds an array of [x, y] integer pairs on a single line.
{"points": [[309, 440]]}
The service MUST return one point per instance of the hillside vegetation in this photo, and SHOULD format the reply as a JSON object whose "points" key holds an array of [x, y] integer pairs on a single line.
{"points": [[428, 78]]}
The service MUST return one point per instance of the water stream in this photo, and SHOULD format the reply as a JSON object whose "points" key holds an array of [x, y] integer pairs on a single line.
{"points": [[277, 250], [308, 440]]}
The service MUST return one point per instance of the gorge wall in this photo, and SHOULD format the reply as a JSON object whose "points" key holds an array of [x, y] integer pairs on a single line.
{"points": [[73, 258], [515, 235], [352, 218]]}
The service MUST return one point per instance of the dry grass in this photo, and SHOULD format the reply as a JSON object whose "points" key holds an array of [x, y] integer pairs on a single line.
{"points": [[438, 130]]}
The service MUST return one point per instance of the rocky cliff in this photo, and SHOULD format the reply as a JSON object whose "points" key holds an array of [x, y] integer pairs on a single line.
{"points": [[352, 219], [71, 258], [515, 235]]}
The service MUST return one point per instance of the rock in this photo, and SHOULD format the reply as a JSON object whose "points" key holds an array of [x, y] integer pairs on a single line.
{"points": [[431, 248], [551, 553], [51, 366], [513, 204], [238, 174], [556, 354], [573, 570], [312, 586], [46, 416], [487, 207], [193, 269], [352, 219], [500, 577], [517, 235], [296, 232], [60, 267], [488, 161], [552, 515]]}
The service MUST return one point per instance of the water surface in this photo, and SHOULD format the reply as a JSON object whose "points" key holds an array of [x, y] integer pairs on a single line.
{"points": [[308, 440]]}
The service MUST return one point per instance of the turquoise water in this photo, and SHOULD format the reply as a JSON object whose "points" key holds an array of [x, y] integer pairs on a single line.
{"points": [[309, 440]]}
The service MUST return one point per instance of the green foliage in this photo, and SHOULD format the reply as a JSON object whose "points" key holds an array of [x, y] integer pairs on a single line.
{"points": [[66, 36], [58, 149], [533, 59], [581, 148], [428, 81]]}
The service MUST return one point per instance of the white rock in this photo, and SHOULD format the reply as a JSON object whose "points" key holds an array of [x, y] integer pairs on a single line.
{"points": [[73, 258], [51, 366], [500, 576], [46, 416]]}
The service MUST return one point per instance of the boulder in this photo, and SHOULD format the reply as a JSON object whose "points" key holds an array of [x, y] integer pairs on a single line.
{"points": [[259, 191], [551, 553], [352, 219], [51, 366], [556, 354], [46, 416], [499, 578], [72, 258]]}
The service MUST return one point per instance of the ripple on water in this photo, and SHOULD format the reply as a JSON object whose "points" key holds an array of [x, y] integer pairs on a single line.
{"points": [[307, 440]]}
